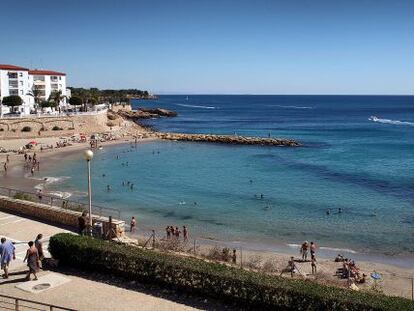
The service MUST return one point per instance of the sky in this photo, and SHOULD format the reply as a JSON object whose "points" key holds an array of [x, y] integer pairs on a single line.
{"points": [[217, 47]]}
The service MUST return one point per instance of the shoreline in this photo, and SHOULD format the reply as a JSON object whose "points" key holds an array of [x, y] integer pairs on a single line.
{"points": [[395, 269], [16, 179]]}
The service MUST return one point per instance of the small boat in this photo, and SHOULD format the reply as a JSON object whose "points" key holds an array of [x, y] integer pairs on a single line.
{"points": [[373, 118]]}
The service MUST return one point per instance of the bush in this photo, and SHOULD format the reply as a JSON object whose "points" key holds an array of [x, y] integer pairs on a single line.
{"points": [[248, 289], [23, 196], [56, 128], [1, 129], [26, 129], [112, 117]]}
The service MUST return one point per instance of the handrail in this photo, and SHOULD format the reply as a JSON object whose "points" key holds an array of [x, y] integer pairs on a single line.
{"points": [[17, 305], [63, 203]]}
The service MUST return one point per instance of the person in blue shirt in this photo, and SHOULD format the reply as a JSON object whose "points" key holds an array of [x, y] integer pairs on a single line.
{"points": [[7, 253]]}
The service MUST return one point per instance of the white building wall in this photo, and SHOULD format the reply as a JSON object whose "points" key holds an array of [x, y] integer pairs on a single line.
{"points": [[16, 86]]}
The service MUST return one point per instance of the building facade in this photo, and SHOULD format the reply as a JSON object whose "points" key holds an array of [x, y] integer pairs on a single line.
{"points": [[31, 86]]}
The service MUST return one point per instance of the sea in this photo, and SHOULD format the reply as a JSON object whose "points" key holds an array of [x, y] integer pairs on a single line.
{"points": [[349, 187]]}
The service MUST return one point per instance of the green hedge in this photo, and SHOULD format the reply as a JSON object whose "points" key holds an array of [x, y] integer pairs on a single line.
{"points": [[248, 289]]}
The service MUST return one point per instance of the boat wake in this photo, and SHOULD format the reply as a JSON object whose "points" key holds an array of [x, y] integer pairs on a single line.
{"points": [[293, 107], [197, 106], [388, 121]]}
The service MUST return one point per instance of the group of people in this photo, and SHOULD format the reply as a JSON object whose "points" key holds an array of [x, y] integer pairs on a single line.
{"points": [[349, 270], [34, 256], [31, 162], [175, 232]]}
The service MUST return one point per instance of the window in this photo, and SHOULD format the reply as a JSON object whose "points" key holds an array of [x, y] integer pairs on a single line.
{"points": [[13, 92], [21, 92], [12, 75], [20, 74], [21, 83], [60, 78], [53, 78]]}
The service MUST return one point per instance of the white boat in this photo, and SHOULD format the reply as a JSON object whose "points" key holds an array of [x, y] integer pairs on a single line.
{"points": [[373, 118]]}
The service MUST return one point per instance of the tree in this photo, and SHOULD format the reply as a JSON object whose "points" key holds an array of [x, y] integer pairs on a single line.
{"points": [[75, 101], [36, 93], [12, 101], [46, 104], [56, 97]]}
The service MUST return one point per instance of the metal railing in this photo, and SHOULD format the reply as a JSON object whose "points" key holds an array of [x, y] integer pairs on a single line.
{"points": [[20, 304], [56, 201]]}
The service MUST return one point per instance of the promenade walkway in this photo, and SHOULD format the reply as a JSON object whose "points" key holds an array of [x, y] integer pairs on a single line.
{"points": [[68, 290]]}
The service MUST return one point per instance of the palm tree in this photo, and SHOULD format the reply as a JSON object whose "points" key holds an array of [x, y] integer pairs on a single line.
{"points": [[56, 97], [36, 93]]}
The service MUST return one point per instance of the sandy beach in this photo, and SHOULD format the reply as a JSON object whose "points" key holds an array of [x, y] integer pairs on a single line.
{"points": [[395, 280]]}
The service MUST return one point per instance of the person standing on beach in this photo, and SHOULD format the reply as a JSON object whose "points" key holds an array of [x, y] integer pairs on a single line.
{"points": [[185, 233], [32, 257], [177, 233], [7, 253], [32, 170], [82, 224], [313, 264], [7, 158], [133, 225], [312, 249], [5, 167], [304, 251]]}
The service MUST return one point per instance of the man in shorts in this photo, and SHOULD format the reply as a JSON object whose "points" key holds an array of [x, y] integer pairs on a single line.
{"points": [[7, 253]]}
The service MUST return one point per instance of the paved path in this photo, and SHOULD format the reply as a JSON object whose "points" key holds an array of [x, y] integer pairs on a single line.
{"points": [[77, 293]]}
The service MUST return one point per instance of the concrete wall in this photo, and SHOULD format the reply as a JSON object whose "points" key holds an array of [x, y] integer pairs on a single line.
{"points": [[54, 214]]}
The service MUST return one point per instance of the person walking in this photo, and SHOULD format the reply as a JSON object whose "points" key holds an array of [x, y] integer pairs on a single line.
{"points": [[7, 253], [32, 258], [39, 246]]}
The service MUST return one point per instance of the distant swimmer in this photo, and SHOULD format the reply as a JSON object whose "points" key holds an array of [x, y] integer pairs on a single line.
{"points": [[182, 203], [123, 183], [117, 157], [251, 181], [261, 196], [128, 182], [195, 203], [132, 186], [328, 211], [108, 188], [339, 210], [103, 175]]}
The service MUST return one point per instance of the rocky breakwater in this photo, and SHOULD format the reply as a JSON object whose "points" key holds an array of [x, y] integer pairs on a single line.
{"points": [[146, 113], [229, 139]]}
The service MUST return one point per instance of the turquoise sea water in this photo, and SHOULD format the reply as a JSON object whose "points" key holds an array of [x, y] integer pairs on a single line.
{"points": [[365, 167]]}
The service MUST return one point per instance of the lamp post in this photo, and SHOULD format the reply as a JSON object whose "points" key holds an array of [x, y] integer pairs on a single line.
{"points": [[88, 155]]}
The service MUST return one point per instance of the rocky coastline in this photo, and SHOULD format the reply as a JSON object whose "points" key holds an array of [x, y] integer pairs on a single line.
{"points": [[146, 113], [228, 139]]}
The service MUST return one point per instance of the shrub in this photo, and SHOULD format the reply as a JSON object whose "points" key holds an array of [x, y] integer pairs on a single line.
{"points": [[1, 129], [249, 289], [12, 101], [110, 123], [56, 128], [26, 129], [23, 196]]}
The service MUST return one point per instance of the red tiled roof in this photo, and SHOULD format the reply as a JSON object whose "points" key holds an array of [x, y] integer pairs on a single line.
{"points": [[12, 67], [46, 73]]}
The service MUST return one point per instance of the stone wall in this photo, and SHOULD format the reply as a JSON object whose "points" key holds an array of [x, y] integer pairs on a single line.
{"points": [[56, 215], [53, 125]]}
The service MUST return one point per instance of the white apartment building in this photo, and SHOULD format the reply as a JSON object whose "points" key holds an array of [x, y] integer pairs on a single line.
{"points": [[14, 80], [21, 81]]}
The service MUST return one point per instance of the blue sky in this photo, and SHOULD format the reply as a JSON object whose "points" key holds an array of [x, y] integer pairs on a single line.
{"points": [[219, 47]]}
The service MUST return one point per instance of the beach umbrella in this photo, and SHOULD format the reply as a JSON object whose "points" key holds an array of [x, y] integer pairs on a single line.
{"points": [[33, 142]]}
